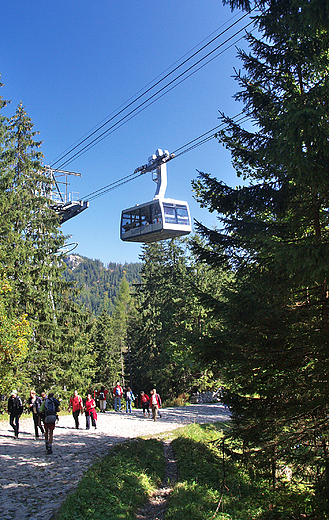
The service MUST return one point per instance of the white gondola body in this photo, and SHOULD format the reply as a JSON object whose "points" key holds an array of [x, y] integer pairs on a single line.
{"points": [[159, 219]]}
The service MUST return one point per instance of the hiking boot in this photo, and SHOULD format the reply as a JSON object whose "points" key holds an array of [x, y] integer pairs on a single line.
{"points": [[49, 450]]}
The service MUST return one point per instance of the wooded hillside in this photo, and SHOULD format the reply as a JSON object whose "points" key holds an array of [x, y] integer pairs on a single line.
{"points": [[99, 283]]}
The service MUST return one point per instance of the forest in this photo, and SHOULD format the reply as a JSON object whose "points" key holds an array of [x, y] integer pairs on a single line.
{"points": [[244, 305], [99, 284]]}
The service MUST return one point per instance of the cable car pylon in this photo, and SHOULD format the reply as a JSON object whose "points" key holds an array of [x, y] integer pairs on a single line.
{"points": [[160, 218], [63, 202]]}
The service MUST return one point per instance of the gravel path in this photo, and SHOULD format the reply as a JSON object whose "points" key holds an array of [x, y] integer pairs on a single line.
{"points": [[26, 472]]}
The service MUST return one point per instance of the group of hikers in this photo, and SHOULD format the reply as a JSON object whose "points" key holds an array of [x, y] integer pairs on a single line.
{"points": [[45, 408], [154, 400]]}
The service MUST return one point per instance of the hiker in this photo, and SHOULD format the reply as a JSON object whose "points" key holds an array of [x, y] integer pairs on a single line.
{"points": [[145, 402], [90, 411], [77, 406], [129, 397], [50, 407], [34, 407], [43, 396], [117, 392], [155, 403], [15, 410], [102, 399]]}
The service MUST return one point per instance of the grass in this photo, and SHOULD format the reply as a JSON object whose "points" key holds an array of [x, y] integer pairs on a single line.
{"points": [[214, 486], [115, 487], [211, 485]]}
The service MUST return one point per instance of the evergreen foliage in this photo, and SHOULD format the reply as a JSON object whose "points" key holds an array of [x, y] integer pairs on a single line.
{"points": [[110, 340], [30, 241], [168, 318], [98, 285], [274, 241]]}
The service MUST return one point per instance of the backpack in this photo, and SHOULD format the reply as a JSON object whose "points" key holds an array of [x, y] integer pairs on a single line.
{"points": [[128, 396], [117, 391], [50, 407], [101, 395], [17, 405]]}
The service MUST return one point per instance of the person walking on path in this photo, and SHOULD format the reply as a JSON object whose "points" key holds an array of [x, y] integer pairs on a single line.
{"points": [[117, 392], [34, 407], [145, 402], [76, 406], [90, 411], [50, 407], [15, 410], [102, 399], [129, 398], [155, 403], [43, 396]]}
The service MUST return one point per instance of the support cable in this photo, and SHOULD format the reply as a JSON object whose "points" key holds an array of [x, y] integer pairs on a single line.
{"points": [[106, 132], [124, 120], [98, 126], [205, 137]]}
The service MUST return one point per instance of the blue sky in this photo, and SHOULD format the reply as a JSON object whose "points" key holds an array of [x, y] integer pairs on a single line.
{"points": [[73, 63]]}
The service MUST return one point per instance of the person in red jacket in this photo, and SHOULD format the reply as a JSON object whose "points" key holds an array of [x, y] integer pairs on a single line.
{"points": [[90, 411], [117, 392], [155, 401], [145, 402], [77, 406]]}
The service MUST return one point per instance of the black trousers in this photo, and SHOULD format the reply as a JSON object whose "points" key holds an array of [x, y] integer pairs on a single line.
{"points": [[14, 423], [37, 423], [76, 418]]}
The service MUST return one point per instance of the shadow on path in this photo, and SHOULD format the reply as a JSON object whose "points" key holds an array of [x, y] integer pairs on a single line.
{"points": [[26, 469]]}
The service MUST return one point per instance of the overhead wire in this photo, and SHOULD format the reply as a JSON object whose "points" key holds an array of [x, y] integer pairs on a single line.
{"points": [[133, 114], [205, 137], [125, 118], [195, 142], [95, 127], [109, 187]]}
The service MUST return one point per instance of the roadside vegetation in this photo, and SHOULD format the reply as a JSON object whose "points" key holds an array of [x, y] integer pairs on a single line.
{"points": [[116, 486], [213, 482]]}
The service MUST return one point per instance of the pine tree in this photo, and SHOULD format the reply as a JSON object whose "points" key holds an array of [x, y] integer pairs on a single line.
{"points": [[123, 309], [107, 369], [73, 359], [110, 340]]}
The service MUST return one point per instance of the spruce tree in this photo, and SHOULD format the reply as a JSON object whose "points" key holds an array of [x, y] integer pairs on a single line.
{"points": [[30, 240], [274, 240], [123, 309], [168, 319], [107, 368]]}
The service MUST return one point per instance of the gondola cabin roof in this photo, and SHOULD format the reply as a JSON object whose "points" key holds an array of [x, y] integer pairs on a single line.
{"points": [[156, 220]]}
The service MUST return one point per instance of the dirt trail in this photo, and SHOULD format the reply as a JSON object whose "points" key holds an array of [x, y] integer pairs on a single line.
{"points": [[155, 508]]}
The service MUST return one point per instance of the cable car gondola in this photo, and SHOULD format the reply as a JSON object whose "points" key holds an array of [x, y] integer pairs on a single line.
{"points": [[160, 218]]}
